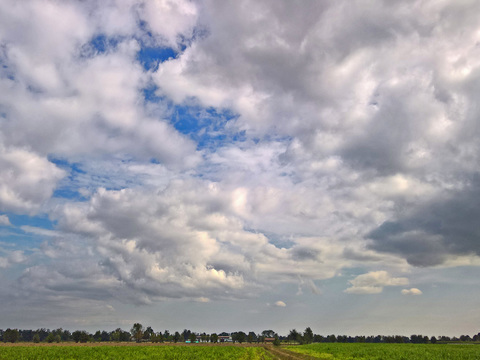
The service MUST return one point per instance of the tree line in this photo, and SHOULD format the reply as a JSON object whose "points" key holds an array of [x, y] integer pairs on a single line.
{"points": [[139, 333], [307, 337]]}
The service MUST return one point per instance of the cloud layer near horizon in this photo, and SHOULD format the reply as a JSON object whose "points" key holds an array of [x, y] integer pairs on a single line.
{"points": [[284, 147]]}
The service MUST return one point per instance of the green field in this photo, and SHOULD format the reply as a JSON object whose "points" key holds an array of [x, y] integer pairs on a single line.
{"points": [[132, 352], [328, 351], [342, 351]]}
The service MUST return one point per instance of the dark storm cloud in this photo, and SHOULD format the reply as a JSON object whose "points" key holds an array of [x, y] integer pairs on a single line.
{"points": [[432, 232]]}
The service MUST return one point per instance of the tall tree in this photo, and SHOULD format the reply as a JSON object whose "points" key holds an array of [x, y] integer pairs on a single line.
{"points": [[104, 336], [176, 337], [308, 335], [36, 338], [97, 336], [292, 336], [268, 333], [11, 335], [80, 336], [186, 334], [50, 338], [241, 337], [148, 333], [76, 335], [116, 334], [331, 338], [166, 335], [137, 331], [66, 335]]}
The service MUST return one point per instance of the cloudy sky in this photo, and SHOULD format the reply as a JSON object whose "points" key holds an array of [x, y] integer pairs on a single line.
{"points": [[240, 165]]}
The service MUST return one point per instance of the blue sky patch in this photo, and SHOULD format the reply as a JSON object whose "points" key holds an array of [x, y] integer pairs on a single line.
{"points": [[102, 43], [206, 126], [149, 93], [150, 57], [36, 221], [99, 44], [67, 188], [65, 165]]}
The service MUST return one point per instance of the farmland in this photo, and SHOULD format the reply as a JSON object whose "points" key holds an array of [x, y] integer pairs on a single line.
{"points": [[108, 352], [324, 351], [358, 351]]}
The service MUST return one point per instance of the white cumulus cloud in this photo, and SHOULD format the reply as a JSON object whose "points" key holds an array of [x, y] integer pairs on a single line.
{"points": [[27, 180], [374, 282], [412, 291]]}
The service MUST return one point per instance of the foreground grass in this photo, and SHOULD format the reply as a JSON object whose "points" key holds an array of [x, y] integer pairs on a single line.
{"points": [[133, 352], [334, 351]]}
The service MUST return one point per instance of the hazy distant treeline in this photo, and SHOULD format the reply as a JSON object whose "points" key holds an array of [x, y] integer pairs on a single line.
{"points": [[139, 333]]}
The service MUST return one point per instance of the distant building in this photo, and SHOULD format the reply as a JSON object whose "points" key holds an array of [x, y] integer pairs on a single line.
{"points": [[269, 340], [225, 338]]}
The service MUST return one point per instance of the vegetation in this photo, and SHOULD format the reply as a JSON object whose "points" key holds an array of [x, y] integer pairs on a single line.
{"points": [[141, 334], [335, 347], [11, 335], [134, 352], [295, 337], [137, 332], [336, 351]]}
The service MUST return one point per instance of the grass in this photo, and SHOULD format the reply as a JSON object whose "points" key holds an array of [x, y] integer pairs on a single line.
{"points": [[342, 351], [133, 352], [325, 351]]}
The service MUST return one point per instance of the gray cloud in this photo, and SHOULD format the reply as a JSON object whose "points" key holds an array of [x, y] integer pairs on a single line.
{"points": [[185, 241], [175, 244], [300, 253], [431, 232], [11, 257]]}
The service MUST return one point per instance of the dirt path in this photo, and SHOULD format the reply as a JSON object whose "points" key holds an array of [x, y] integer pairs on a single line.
{"points": [[284, 354]]}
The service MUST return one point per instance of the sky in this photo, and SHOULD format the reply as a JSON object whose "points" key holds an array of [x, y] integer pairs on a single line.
{"points": [[243, 165]]}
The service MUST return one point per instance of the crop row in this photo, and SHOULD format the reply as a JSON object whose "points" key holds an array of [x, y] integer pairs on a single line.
{"points": [[357, 351], [133, 352]]}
